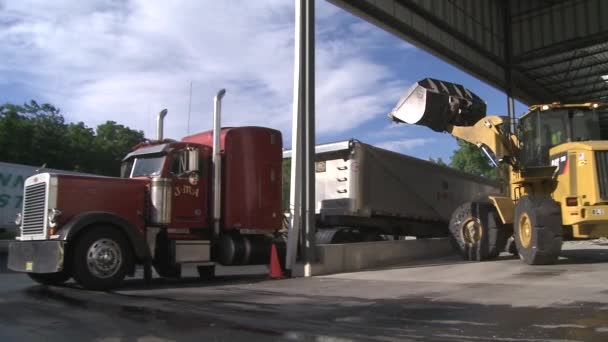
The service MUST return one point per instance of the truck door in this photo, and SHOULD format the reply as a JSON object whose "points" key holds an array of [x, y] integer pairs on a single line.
{"points": [[189, 192]]}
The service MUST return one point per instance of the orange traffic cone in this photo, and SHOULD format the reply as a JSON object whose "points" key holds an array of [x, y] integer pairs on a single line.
{"points": [[275, 265]]}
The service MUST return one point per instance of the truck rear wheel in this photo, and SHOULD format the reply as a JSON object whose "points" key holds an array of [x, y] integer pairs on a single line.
{"points": [[56, 278], [538, 228], [477, 232], [102, 258]]}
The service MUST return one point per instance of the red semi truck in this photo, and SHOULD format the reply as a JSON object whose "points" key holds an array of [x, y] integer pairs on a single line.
{"points": [[213, 197]]}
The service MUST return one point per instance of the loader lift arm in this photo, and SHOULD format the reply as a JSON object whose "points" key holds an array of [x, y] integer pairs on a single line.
{"points": [[451, 108]]}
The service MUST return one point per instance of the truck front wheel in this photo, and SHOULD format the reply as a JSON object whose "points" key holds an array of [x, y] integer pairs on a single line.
{"points": [[56, 278], [538, 228], [102, 258], [477, 232]]}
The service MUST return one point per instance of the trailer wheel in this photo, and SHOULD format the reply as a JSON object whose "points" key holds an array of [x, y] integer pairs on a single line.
{"points": [[56, 278], [102, 258], [476, 231], [538, 228]]}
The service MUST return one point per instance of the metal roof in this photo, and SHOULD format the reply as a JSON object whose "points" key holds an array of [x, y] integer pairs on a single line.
{"points": [[541, 50]]}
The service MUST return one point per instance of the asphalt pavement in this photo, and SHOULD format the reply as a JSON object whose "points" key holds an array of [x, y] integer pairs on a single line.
{"points": [[438, 300]]}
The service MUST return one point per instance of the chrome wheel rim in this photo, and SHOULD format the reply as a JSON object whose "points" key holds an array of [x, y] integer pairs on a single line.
{"points": [[104, 258]]}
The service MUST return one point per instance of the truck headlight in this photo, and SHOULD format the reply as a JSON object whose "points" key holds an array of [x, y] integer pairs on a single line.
{"points": [[53, 215], [18, 219]]}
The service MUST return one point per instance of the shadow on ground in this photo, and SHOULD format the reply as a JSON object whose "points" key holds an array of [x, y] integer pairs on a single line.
{"points": [[245, 314]]}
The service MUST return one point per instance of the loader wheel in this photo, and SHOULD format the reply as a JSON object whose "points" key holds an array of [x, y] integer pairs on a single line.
{"points": [[538, 228], [102, 258], [56, 278], [476, 231]]}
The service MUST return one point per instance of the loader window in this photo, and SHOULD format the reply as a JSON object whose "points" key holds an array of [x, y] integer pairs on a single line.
{"points": [[530, 139], [585, 125], [539, 132]]}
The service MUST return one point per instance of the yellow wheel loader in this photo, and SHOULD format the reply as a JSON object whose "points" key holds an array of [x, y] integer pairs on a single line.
{"points": [[555, 164]]}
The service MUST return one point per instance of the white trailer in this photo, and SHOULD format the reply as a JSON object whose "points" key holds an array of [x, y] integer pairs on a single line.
{"points": [[12, 177]]}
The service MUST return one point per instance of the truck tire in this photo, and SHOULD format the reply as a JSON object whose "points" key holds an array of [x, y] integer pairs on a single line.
{"points": [[102, 257], [477, 232], [57, 278], [538, 228]]}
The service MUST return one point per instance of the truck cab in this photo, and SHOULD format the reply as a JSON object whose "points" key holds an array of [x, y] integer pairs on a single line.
{"points": [[213, 197]]}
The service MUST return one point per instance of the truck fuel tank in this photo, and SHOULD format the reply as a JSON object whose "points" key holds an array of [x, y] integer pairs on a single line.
{"points": [[438, 104]]}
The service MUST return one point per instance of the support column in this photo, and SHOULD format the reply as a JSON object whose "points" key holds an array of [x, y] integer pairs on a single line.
{"points": [[511, 111], [309, 233], [508, 46], [302, 194]]}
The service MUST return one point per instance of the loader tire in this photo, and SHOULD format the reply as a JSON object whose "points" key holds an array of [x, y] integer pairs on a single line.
{"points": [[538, 229], [477, 232]]}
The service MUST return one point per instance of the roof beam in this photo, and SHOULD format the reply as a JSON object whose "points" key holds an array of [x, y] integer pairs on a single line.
{"points": [[568, 83], [450, 30], [600, 98], [574, 56], [570, 70], [587, 96], [389, 22], [562, 47]]}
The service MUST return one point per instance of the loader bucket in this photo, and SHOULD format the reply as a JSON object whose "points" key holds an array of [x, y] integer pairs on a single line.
{"points": [[438, 104]]}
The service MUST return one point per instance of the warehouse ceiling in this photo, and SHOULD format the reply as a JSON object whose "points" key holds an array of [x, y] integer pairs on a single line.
{"points": [[541, 50]]}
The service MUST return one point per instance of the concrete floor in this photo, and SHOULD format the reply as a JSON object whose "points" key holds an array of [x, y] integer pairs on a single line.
{"points": [[440, 300]]}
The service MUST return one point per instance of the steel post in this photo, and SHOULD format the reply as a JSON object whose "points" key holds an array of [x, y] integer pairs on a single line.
{"points": [[302, 195]]}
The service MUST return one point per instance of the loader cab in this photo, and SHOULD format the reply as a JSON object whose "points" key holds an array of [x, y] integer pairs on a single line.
{"points": [[546, 126]]}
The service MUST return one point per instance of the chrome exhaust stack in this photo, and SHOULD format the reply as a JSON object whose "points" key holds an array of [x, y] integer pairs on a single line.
{"points": [[159, 124], [217, 161]]}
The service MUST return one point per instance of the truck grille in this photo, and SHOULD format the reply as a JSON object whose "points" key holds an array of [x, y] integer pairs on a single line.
{"points": [[601, 160], [33, 210]]}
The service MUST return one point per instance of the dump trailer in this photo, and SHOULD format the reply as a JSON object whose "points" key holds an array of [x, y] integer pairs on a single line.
{"points": [[212, 197], [556, 165], [366, 193]]}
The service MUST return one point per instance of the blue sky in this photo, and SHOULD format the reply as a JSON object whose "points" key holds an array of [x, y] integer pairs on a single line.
{"points": [[125, 60]]}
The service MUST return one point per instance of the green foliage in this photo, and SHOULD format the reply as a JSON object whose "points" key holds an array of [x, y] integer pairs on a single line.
{"points": [[286, 183], [469, 158], [35, 134]]}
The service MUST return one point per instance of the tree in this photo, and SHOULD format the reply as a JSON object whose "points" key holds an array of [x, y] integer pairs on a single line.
{"points": [[469, 158], [286, 183], [113, 141], [36, 134]]}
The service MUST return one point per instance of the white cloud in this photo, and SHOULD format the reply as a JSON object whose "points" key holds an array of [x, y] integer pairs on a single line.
{"points": [[124, 61]]}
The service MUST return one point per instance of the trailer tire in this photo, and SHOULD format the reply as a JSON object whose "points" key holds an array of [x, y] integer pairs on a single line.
{"points": [[477, 232], [538, 229], [56, 278], [102, 258]]}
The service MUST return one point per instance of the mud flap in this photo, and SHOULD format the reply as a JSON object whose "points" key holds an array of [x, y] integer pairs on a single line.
{"points": [[36, 256]]}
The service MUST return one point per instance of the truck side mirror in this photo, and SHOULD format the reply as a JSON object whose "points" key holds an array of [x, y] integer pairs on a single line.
{"points": [[193, 159]]}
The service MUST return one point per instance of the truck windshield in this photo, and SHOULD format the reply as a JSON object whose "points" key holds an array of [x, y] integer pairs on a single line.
{"points": [[143, 166]]}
